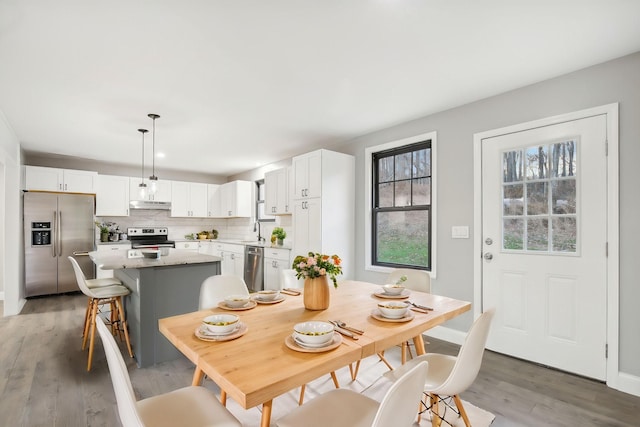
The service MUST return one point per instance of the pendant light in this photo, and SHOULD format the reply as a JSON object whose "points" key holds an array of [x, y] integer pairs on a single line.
{"points": [[153, 179], [142, 186]]}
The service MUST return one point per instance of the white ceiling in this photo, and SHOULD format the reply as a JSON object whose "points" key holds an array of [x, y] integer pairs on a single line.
{"points": [[242, 82]]}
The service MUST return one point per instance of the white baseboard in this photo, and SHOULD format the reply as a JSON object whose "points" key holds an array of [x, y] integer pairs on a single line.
{"points": [[447, 334], [1, 295], [628, 383]]}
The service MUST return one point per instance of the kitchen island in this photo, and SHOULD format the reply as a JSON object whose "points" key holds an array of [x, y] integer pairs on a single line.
{"points": [[162, 287]]}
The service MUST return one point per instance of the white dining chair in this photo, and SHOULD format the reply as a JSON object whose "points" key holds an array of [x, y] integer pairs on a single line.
{"points": [[417, 280], [449, 376], [347, 408], [288, 279], [99, 296], [188, 406], [215, 288]]}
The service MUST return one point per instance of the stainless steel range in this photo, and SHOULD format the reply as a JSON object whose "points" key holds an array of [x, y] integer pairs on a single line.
{"points": [[149, 237]]}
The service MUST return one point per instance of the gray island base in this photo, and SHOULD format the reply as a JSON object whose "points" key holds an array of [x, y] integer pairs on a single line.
{"points": [[159, 288]]}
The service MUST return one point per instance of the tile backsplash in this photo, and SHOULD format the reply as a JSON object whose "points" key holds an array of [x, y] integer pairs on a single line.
{"points": [[232, 228]]}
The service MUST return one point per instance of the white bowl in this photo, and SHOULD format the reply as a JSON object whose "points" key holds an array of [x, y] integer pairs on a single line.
{"points": [[236, 301], [393, 309], [221, 324], [268, 294], [392, 289], [314, 332]]}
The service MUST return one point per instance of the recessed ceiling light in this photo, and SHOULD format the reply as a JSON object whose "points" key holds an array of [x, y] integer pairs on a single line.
{"points": [[160, 155]]}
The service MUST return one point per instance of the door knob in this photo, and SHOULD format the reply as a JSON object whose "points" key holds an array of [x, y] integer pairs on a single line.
{"points": [[488, 256], [488, 241]]}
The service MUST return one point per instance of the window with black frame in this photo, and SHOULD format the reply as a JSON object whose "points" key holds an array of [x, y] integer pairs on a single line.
{"points": [[401, 223]]}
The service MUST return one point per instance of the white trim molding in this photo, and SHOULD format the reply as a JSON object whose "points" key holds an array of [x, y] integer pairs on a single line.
{"points": [[368, 152], [615, 379]]}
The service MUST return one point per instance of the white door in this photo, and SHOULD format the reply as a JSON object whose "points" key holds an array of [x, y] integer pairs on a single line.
{"points": [[544, 230]]}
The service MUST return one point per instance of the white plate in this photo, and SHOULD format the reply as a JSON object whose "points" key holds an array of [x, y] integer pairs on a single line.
{"points": [[308, 345]]}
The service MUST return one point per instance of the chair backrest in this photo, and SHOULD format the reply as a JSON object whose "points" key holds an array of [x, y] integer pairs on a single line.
{"points": [[125, 397], [467, 365], [418, 280], [215, 288], [80, 278], [288, 279], [400, 404]]}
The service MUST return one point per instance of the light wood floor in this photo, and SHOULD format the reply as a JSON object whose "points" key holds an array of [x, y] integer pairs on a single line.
{"points": [[43, 381]]}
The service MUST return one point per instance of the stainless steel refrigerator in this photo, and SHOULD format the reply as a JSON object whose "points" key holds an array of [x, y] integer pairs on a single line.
{"points": [[55, 227]]}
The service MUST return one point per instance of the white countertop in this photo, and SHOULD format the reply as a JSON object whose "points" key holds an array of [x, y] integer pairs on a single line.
{"points": [[116, 261]]}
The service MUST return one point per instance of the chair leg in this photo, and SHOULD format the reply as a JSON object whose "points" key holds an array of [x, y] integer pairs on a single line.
{"points": [[223, 397], [463, 413], [435, 417], [87, 323], [403, 347], [335, 379], [301, 398], [86, 317], [123, 321], [381, 356], [94, 314], [354, 372]]}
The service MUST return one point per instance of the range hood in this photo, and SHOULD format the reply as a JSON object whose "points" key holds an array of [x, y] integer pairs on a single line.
{"points": [[148, 204]]}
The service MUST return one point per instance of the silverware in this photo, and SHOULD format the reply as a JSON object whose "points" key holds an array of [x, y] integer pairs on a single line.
{"points": [[290, 291], [422, 307], [343, 325], [344, 331], [419, 310]]}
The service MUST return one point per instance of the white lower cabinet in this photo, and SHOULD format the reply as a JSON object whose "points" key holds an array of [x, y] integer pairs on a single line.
{"points": [[275, 260], [120, 248], [189, 246], [233, 260]]}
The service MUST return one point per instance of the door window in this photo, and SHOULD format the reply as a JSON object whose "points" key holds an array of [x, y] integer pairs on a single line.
{"points": [[539, 198]]}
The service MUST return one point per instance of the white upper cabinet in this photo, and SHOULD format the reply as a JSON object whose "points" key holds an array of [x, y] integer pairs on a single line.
{"points": [[213, 200], [65, 180], [188, 199], [162, 194], [307, 175], [276, 185], [236, 199], [112, 196]]}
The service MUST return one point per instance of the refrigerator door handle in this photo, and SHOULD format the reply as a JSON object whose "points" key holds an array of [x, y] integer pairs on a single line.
{"points": [[80, 253], [55, 234], [59, 233]]}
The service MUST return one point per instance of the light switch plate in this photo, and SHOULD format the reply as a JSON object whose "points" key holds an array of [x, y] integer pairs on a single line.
{"points": [[460, 232]]}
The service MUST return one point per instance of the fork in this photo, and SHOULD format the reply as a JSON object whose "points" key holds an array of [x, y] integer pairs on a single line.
{"points": [[423, 307]]}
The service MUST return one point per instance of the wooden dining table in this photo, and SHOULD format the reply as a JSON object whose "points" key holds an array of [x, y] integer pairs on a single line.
{"points": [[258, 366]]}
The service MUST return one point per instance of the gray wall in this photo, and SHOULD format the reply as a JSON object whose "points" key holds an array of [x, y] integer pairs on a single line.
{"points": [[614, 81]]}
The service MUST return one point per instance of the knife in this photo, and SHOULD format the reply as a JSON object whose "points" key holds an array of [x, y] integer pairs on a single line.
{"points": [[422, 307], [290, 291]]}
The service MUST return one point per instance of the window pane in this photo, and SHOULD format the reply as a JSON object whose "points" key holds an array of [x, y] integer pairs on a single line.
{"points": [[385, 169], [421, 191], [537, 162], [563, 196], [563, 159], [538, 234], [564, 234], [513, 234], [402, 238], [421, 164], [512, 166], [403, 166], [512, 199], [537, 198], [385, 195], [403, 193]]}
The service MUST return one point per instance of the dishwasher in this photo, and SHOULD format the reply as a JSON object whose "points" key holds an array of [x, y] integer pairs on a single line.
{"points": [[254, 268]]}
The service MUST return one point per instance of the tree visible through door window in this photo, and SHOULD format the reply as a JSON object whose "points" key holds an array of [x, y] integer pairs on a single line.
{"points": [[401, 223], [539, 187]]}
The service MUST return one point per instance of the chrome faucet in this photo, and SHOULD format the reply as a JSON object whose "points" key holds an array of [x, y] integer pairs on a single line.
{"points": [[256, 227]]}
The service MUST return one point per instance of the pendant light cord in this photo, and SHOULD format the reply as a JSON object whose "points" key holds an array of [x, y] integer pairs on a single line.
{"points": [[153, 138]]}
